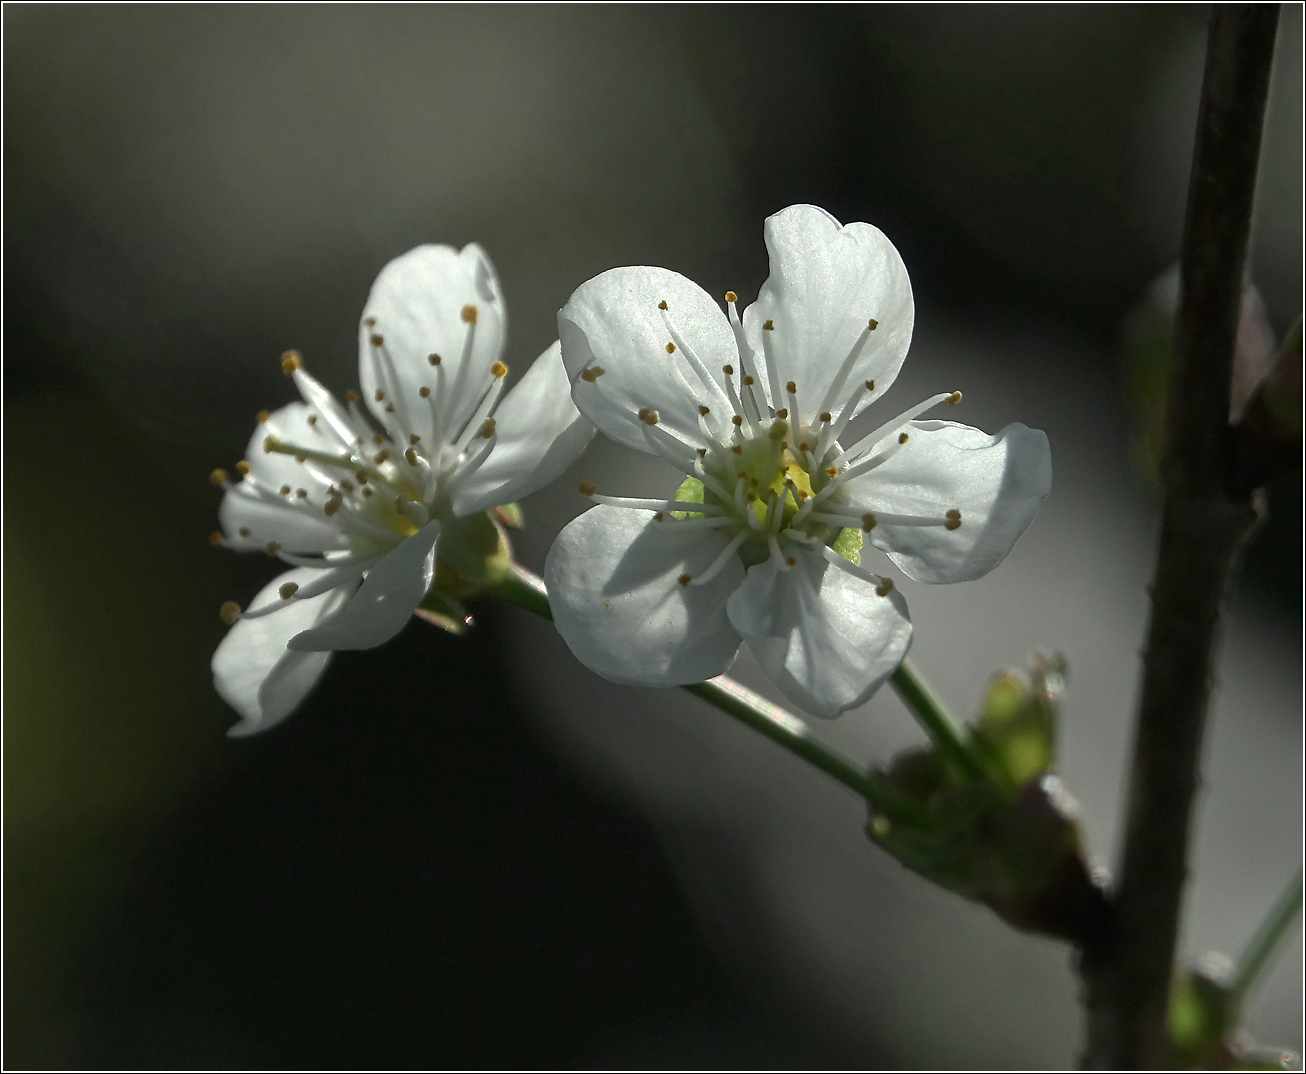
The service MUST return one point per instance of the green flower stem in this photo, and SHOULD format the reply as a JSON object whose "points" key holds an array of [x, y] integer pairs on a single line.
{"points": [[523, 588], [932, 716], [1267, 939]]}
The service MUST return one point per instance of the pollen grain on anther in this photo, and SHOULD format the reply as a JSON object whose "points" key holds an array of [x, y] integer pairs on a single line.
{"points": [[229, 612], [290, 361], [288, 590]]}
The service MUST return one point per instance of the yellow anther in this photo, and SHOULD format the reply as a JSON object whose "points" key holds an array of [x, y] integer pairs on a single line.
{"points": [[218, 477], [498, 371], [434, 359], [229, 612], [952, 519], [347, 486], [376, 339], [590, 375], [244, 531], [737, 450], [663, 304], [831, 471], [216, 538], [588, 488], [804, 446], [731, 297], [378, 439], [903, 438], [411, 456], [768, 326], [285, 490], [751, 497], [270, 442], [953, 399], [301, 494], [469, 314], [301, 458], [369, 321], [380, 457], [801, 495], [872, 324], [389, 408], [952, 513], [671, 348], [487, 428], [332, 505], [870, 385], [648, 415], [790, 560], [658, 517], [351, 396], [869, 522], [380, 395], [362, 477], [290, 361], [242, 466], [736, 421], [685, 579], [413, 438], [728, 370], [262, 416], [272, 548], [885, 587], [703, 410], [782, 413], [791, 388], [424, 392], [826, 416], [367, 492], [702, 452], [748, 379], [288, 590]]}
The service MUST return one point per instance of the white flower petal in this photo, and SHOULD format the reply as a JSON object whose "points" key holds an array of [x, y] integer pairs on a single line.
{"points": [[255, 673], [827, 282], [996, 482], [417, 303], [825, 637], [384, 603], [539, 433], [613, 322], [613, 578]]}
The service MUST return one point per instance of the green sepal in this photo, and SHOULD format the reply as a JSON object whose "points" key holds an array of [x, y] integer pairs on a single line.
{"points": [[508, 515], [690, 491], [440, 609], [849, 545]]}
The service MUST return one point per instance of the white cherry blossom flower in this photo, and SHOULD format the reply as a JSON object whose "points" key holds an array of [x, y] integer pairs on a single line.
{"points": [[761, 543], [354, 496]]}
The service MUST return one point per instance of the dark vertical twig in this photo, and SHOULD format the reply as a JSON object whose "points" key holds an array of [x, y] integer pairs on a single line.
{"points": [[1203, 527]]}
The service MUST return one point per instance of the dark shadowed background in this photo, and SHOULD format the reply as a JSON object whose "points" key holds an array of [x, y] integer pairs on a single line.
{"points": [[467, 852]]}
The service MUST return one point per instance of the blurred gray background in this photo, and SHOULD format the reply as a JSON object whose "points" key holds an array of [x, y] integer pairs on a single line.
{"points": [[470, 852]]}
